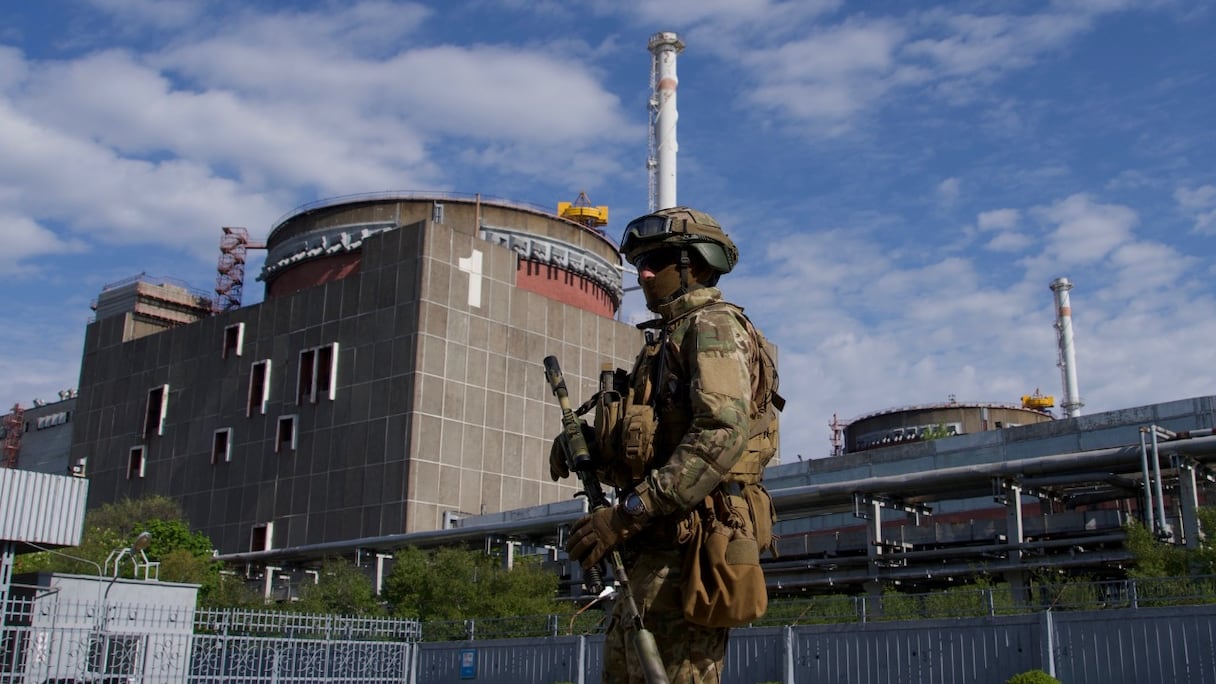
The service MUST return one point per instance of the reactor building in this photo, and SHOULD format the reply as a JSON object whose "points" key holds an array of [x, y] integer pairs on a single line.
{"points": [[391, 380]]}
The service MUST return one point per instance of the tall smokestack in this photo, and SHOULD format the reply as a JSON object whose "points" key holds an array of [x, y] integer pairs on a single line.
{"points": [[1068, 358], [664, 47]]}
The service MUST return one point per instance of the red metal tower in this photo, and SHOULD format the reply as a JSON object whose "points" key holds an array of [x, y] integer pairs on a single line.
{"points": [[230, 271], [14, 426]]}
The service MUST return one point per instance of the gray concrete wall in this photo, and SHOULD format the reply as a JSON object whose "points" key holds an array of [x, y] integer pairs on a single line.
{"points": [[440, 406]]}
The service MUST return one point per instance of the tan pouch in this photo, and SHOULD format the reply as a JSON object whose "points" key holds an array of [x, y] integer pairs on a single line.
{"points": [[638, 426], [608, 421], [723, 581]]}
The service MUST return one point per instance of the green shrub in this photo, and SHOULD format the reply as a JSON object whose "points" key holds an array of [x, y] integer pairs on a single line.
{"points": [[1032, 677]]}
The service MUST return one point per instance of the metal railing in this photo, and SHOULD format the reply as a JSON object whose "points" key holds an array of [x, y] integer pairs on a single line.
{"points": [[47, 638], [960, 602]]}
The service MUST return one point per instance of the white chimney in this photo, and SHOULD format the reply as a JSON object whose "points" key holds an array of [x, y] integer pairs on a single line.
{"points": [[1068, 357], [661, 163]]}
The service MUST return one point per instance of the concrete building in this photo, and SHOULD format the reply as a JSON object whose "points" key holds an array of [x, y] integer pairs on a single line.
{"points": [[39, 438], [390, 382], [927, 421]]}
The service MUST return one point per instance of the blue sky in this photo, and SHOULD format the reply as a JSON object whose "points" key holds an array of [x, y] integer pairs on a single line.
{"points": [[904, 179]]}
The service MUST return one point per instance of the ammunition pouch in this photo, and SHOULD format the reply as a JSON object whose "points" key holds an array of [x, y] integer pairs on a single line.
{"points": [[723, 581], [638, 426]]}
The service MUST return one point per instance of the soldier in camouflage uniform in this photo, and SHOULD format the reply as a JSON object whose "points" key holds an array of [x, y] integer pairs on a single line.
{"points": [[695, 383]]}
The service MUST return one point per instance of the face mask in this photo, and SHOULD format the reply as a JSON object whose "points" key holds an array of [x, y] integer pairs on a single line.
{"points": [[659, 286]]}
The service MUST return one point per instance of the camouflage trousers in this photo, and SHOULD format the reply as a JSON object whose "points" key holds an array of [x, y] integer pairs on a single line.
{"points": [[691, 654]]}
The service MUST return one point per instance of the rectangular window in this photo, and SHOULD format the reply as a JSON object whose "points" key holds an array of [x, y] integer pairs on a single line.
{"points": [[305, 387], [259, 388], [285, 435], [158, 406], [327, 367], [318, 376], [135, 463], [52, 420], [234, 339], [437, 213], [261, 537], [221, 446]]}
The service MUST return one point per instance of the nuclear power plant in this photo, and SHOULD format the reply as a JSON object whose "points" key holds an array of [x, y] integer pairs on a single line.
{"points": [[388, 390], [390, 382]]}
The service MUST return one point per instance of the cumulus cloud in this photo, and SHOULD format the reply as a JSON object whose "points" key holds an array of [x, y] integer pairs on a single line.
{"points": [[948, 191], [240, 118], [23, 240], [852, 63], [998, 219], [1200, 204], [1084, 230]]}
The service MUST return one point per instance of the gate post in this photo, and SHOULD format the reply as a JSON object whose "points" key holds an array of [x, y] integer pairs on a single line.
{"points": [[787, 648], [1047, 642], [580, 659]]}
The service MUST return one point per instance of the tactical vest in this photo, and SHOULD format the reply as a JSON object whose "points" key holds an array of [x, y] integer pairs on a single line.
{"points": [[643, 415]]}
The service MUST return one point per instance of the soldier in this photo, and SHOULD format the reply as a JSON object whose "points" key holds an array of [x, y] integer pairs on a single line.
{"points": [[688, 445]]}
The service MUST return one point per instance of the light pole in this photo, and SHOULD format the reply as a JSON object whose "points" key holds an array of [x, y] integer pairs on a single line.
{"points": [[78, 559], [141, 542], [98, 642]]}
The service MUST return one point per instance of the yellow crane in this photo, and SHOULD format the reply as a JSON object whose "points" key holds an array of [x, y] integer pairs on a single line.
{"points": [[582, 211]]}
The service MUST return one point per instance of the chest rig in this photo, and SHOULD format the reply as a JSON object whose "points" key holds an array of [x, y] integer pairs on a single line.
{"points": [[642, 415]]}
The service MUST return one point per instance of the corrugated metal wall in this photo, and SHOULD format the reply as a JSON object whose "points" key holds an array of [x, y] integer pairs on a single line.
{"points": [[507, 661], [1176, 644], [41, 508], [937, 651], [1129, 646]]}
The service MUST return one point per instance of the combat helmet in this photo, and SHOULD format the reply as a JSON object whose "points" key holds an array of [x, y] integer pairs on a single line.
{"points": [[681, 227]]}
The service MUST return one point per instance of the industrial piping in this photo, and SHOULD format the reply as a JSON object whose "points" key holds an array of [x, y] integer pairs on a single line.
{"points": [[829, 497]]}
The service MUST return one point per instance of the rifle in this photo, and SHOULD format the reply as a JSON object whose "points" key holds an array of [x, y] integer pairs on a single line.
{"points": [[578, 459]]}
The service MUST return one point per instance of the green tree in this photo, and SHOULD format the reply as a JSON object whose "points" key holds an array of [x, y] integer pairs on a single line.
{"points": [[184, 555], [341, 589], [1032, 677], [458, 584], [1157, 559]]}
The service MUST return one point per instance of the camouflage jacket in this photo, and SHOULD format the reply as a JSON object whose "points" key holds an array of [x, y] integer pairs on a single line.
{"points": [[703, 404]]}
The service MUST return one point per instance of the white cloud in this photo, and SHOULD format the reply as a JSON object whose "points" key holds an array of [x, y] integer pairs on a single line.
{"points": [[154, 13], [1005, 223], [1009, 241], [49, 176], [1200, 204], [758, 13], [998, 219], [948, 191], [23, 240], [1085, 230], [842, 68], [827, 76]]}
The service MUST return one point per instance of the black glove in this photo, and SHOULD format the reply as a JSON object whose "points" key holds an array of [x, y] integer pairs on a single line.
{"points": [[593, 536]]}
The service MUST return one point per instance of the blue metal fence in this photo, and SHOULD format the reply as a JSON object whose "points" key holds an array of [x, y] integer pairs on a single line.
{"points": [[1126, 645]]}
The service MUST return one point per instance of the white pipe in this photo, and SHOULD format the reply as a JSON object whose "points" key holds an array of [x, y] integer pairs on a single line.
{"points": [[1068, 359], [1164, 526], [664, 47], [1149, 522]]}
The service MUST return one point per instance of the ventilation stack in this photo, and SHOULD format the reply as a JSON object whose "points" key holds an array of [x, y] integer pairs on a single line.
{"points": [[661, 162], [1071, 406]]}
